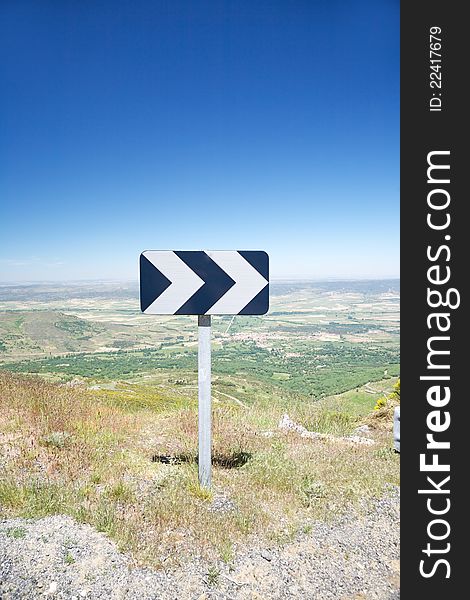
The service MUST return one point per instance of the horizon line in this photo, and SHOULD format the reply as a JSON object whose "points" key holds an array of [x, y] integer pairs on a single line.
{"points": [[277, 279]]}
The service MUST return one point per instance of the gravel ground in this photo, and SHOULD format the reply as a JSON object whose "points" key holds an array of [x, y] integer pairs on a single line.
{"points": [[355, 559]]}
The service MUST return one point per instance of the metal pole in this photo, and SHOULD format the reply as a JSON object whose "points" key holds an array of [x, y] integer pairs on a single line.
{"points": [[204, 397]]}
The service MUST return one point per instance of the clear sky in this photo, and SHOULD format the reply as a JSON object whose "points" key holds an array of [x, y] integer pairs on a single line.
{"points": [[128, 125]]}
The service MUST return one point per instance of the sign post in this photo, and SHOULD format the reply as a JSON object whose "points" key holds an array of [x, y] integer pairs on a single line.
{"points": [[204, 400], [204, 283]]}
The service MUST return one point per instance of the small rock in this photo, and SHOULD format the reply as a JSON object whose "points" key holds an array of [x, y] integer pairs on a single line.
{"points": [[222, 504], [83, 593], [266, 555], [287, 424], [362, 430], [267, 434], [52, 588], [356, 439], [295, 591]]}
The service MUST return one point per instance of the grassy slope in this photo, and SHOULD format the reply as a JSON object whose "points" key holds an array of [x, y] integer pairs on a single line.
{"points": [[89, 454], [24, 333]]}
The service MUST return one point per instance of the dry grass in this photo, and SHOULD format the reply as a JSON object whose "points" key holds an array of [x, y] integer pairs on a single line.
{"points": [[66, 450]]}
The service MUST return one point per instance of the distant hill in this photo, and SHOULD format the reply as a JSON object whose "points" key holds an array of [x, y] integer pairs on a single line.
{"points": [[359, 286], [48, 292], [49, 332]]}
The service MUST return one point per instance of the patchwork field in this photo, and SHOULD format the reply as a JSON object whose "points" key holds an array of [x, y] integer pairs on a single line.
{"points": [[318, 339]]}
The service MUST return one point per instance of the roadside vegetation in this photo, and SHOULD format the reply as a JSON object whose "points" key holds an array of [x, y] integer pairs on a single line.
{"points": [[124, 460], [385, 407]]}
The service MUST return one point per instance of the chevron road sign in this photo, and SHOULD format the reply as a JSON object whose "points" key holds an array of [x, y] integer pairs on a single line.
{"points": [[204, 283]]}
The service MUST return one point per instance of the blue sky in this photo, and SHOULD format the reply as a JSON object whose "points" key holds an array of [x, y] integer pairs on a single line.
{"points": [[245, 124]]}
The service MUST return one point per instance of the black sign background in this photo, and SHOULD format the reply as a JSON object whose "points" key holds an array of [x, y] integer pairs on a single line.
{"points": [[423, 131]]}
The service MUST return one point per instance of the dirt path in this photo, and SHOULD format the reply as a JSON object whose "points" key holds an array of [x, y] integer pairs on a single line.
{"points": [[230, 397]]}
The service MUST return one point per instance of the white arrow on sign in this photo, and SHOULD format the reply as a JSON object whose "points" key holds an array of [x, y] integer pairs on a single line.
{"points": [[248, 282], [184, 280]]}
